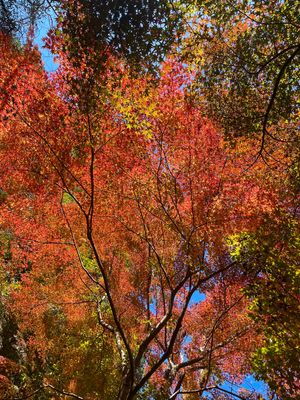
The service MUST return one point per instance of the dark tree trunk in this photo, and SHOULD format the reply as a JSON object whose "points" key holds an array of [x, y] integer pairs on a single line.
{"points": [[125, 392]]}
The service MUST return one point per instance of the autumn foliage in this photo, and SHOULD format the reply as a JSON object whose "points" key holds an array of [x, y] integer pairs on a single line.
{"points": [[121, 209]]}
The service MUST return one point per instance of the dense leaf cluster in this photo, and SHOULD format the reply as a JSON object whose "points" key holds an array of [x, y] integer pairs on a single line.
{"points": [[141, 31], [249, 65]]}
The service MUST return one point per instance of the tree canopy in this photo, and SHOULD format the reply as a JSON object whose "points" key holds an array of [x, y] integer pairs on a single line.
{"points": [[149, 191]]}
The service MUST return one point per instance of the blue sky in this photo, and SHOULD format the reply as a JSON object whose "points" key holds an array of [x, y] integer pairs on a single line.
{"points": [[41, 32]]}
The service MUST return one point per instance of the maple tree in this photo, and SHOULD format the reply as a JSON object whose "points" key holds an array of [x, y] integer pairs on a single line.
{"points": [[118, 219], [134, 230]]}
